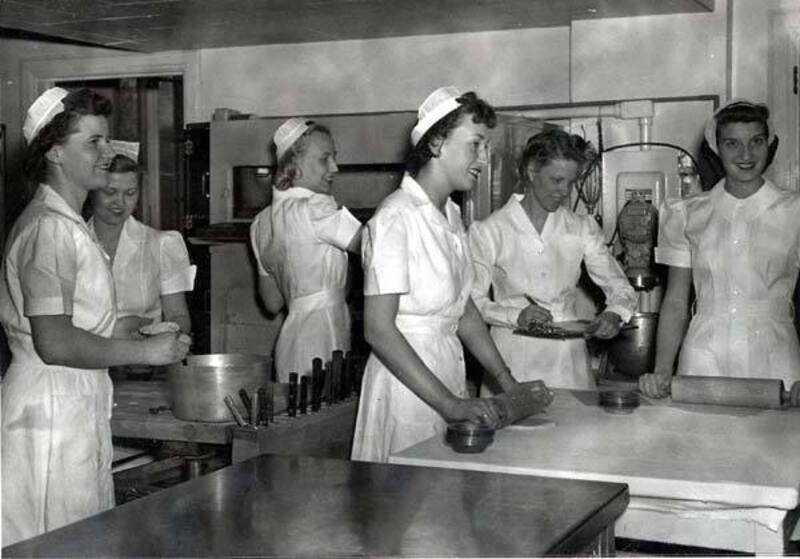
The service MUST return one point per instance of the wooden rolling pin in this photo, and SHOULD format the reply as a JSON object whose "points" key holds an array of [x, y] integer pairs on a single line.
{"points": [[730, 391]]}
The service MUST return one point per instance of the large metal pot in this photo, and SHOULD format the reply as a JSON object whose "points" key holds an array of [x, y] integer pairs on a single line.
{"points": [[633, 351], [200, 385]]}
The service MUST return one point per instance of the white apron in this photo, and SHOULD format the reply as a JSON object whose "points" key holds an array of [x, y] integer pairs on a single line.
{"points": [[56, 435], [514, 259], [411, 249], [744, 256], [301, 240]]}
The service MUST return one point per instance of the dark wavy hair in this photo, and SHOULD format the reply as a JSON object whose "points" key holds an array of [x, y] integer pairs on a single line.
{"points": [[743, 111], [482, 113], [544, 147], [286, 173], [77, 104]]}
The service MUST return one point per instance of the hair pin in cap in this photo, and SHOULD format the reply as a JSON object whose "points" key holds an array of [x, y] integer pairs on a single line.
{"points": [[128, 149], [710, 131], [42, 111], [434, 108], [288, 133]]}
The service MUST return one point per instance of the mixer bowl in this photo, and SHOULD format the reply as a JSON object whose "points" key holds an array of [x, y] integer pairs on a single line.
{"points": [[633, 351]]}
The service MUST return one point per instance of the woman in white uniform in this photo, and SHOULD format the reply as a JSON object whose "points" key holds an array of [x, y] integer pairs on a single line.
{"points": [[530, 252], [57, 308], [738, 245], [151, 268], [418, 278], [300, 243]]}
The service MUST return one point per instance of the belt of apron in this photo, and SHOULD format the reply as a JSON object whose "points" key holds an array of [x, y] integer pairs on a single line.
{"points": [[774, 308], [318, 300], [421, 324]]}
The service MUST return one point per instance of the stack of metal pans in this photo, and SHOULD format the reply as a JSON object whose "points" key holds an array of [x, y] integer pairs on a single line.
{"points": [[619, 401]]}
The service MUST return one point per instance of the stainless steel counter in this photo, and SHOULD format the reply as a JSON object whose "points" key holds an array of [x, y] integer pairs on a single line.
{"points": [[310, 507]]}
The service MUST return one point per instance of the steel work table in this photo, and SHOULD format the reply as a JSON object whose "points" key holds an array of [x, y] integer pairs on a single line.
{"points": [[300, 506], [707, 476]]}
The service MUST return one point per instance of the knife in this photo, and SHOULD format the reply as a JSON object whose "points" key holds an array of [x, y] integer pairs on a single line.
{"points": [[248, 405], [336, 371], [304, 394], [316, 383], [347, 375], [256, 410], [234, 412], [263, 415], [326, 383], [270, 402], [291, 408]]}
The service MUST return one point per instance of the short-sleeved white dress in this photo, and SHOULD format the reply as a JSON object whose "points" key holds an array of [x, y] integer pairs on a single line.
{"points": [[744, 255], [57, 452], [410, 248], [148, 264], [301, 240]]}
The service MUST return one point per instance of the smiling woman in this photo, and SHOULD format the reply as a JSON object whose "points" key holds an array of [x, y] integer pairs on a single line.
{"points": [[57, 308], [529, 252], [738, 245], [417, 282], [151, 268], [300, 243]]}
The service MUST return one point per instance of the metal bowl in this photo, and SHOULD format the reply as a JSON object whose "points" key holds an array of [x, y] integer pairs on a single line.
{"points": [[632, 352], [469, 438], [618, 401], [199, 384]]}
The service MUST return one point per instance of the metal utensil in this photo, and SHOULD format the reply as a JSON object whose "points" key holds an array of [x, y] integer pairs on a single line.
{"points": [[234, 412], [292, 402], [303, 394], [248, 405], [263, 416]]}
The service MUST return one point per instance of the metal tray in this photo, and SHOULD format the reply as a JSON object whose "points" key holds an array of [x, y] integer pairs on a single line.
{"points": [[565, 330]]}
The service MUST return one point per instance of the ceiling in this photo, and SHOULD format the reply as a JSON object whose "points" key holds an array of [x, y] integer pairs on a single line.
{"points": [[158, 25]]}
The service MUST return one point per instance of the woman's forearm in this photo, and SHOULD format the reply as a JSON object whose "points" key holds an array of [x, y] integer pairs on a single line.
{"points": [[475, 336], [58, 342], [175, 309], [673, 319], [393, 349]]}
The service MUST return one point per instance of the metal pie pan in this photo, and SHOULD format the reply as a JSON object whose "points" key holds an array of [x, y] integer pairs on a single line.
{"points": [[619, 401], [469, 438]]}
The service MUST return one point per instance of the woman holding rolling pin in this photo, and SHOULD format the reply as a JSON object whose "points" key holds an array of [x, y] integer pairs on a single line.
{"points": [[417, 282], [738, 244]]}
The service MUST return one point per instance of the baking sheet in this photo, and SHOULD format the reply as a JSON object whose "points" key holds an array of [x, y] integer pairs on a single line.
{"points": [[561, 330]]}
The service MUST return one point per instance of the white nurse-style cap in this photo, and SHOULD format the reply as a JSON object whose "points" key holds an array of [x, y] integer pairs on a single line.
{"points": [[710, 131], [434, 108], [42, 111], [288, 133], [128, 149]]}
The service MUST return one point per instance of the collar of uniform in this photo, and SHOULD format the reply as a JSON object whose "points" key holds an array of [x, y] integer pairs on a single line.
{"points": [[420, 198], [293, 192], [751, 206], [520, 217], [54, 202]]}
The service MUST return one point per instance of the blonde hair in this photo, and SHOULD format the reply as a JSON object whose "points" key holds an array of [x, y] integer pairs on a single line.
{"points": [[287, 165]]}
